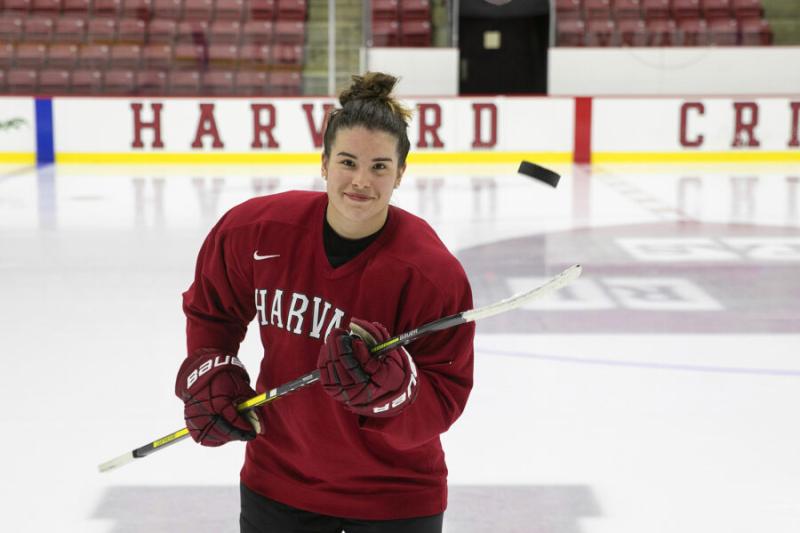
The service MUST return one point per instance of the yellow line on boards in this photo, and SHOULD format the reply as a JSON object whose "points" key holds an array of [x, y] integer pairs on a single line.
{"points": [[695, 157], [151, 158], [28, 158], [305, 158], [451, 158], [488, 157]]}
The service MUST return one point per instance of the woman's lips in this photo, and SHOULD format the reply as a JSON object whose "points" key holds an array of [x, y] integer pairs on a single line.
{"points": [[357, 197]]}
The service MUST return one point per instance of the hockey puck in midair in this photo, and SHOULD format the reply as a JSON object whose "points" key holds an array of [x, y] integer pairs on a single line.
{"points": [[540, 173]]}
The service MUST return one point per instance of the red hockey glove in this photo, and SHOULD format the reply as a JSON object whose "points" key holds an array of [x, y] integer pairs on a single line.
{"points": [[211, 386], [366, 384]]}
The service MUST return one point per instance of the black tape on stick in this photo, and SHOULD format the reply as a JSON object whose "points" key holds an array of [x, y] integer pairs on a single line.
{"points": [[538, 172]]}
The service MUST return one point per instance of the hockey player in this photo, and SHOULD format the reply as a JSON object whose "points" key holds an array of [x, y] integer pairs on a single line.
{"points": [[361, 453]]}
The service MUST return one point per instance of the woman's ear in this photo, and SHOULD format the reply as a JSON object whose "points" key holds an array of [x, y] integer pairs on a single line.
{"points": [[399, 178], [324, 169]]}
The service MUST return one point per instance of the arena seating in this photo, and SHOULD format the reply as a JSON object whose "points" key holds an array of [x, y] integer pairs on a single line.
{"points": [[156, 46], [661, 23], [401, 23]]}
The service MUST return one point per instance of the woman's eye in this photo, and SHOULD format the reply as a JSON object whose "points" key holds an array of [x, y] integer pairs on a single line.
{"points": [[347, 162], [379, 166]]}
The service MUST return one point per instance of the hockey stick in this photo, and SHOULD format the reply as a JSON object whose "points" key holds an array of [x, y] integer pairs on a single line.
{"points": [[463, 317]]}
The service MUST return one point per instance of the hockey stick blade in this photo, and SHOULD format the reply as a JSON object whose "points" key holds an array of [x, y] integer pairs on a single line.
{"points": [[567, 276], [122, 460], [513, 302]]}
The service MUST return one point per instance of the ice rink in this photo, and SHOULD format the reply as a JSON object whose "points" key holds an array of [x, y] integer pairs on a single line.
{"points": [[660, 393]]}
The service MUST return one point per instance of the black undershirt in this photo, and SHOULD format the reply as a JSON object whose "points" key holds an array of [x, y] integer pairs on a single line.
{"points": [[340, 250]]}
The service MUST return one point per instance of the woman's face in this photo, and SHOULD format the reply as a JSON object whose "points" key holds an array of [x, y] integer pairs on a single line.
{"points": [[361, 173]]}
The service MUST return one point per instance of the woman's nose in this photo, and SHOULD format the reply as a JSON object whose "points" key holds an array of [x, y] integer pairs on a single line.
{"points": [[361, 179]]}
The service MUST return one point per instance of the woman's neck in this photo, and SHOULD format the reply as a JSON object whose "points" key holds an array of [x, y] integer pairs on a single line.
{"points": [[355, 229]]}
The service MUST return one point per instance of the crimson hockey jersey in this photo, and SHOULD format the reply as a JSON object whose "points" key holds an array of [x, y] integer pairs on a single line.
{"points": [[265, 261]]}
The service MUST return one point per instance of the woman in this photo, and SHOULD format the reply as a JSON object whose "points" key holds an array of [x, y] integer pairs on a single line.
{"points": [[361, 453]]}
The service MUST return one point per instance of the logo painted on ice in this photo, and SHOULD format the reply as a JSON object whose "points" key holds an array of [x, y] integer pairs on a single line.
{"points": [[12, 124]]}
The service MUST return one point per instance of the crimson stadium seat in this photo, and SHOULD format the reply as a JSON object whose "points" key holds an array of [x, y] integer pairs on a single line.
{"points": [[385, 9], [685, 9], [261, 9], [723, 32], [17, 6], [225, 32], [157, 56], [151, 82], [168, 9], [290, 31], [600, 32], [192, 31], [131, 31], [223, 56], [755, 32], [257, 32], [62, 55], [54, 81], [198, 9], [662, 32], [190, 56], [415, 10], [184, 82], [570, 32], [7, 52], [219, 82], [287, 54], [125, 56], [101, 30], [161, 30], [11, 29], [291, 10], [693, 32], [141, 9], [69, 30], [285, 83], [38, 28], [747, 9], [118, 81], [415, 32], [627, 9], [597, 9], [110, 8], [385, 33], [94, 56], [568, 9], [716, 9], [21, 80], [85, 81], [632, 32], [77, 7], [46, 6], [30, 55], [655, 9], [255, 57], [251, 82], [229, 10]]}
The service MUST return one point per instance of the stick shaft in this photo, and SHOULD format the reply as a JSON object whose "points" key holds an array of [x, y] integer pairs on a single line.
{"points": [[447, 322]]}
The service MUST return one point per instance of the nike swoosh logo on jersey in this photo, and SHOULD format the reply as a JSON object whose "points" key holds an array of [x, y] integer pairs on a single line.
{"points": [[260, 257]]}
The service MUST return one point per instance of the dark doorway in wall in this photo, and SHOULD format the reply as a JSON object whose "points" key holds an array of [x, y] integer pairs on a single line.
{"points": [[504, 54]]}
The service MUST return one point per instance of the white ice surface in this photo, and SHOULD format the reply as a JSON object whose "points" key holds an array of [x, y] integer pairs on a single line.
{"points": [[658, 433]]}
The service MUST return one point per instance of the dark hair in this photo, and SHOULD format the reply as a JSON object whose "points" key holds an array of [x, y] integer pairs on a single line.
{"points": [[368, 103]]}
